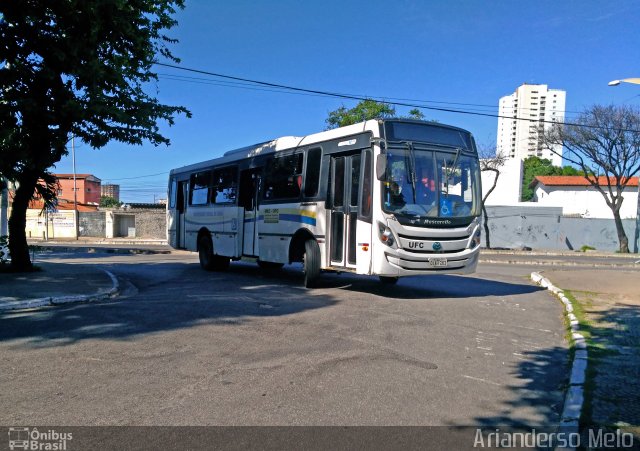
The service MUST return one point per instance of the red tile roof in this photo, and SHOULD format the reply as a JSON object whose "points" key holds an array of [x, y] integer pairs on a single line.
{"points": [[70, 176], [63, 205], [573, 180]]}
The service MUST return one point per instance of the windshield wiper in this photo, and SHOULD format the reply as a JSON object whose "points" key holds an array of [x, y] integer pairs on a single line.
{"points": [[411, 160], [449, 171]]}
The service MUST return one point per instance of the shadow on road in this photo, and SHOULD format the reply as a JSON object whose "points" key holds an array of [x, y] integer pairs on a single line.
{"points": [[174, 295], [542, 376], [167, 296]]}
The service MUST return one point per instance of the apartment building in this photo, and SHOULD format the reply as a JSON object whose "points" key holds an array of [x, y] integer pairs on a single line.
{"points": [[524, 116], [87, 188], [110, 190]]}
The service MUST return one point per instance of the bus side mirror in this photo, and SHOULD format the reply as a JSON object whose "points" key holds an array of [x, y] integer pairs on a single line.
{"points": [[465, 180], [381, 166]]}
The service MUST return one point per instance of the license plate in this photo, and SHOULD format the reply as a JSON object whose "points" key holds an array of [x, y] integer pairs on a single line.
{"points": [[438, 262]]}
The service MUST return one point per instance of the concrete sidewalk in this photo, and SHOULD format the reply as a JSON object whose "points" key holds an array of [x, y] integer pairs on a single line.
{"points": [[56, 283], [608, 310], [112, 246]]}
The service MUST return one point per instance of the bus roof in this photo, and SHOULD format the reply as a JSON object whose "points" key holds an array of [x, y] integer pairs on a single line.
{"points": [[283, 143], [292, 142]]}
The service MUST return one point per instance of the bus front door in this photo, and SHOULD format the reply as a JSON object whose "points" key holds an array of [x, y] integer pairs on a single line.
{"points": [[249, 189], [345, 176]]}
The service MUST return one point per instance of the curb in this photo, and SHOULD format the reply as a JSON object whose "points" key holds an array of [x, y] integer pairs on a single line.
{"points": [[61, 300], [633, 265], [574, 398], [97, 249]]}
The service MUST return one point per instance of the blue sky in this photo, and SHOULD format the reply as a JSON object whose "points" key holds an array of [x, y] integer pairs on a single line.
{"points": [[457, 51]]}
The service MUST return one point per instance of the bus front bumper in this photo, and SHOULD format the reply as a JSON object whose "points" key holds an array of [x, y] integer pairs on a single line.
{"points": [[400, 263]]}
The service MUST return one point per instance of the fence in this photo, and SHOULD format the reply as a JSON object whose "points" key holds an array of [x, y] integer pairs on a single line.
{"points": [[546, 228]]}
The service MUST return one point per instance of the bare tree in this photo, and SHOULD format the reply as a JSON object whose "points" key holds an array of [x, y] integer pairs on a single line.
{"points": [[490, 161], [604, 142]]}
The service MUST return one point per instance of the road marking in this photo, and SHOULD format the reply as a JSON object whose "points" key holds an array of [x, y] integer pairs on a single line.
{"points": [[482, 380]]}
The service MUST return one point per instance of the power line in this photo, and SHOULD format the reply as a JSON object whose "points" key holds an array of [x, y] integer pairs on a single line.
{"points": [[361, 98], [139, 177], [252, 86]]}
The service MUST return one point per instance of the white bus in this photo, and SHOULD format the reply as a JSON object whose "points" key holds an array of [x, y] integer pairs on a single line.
{"points": [[391, 198]]}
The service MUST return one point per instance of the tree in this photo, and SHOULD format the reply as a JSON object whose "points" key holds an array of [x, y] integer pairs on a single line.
{"points": [[604, 142], [109, 202], [490, 161], [363, 111], [534, 166], [75, 69]]}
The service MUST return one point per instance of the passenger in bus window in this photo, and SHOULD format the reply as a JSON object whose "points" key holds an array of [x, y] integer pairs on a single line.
{"points": [[396, 199]]}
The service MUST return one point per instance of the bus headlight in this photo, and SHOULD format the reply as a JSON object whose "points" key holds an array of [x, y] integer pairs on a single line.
{"points": [[386, 235], [475, 241]]}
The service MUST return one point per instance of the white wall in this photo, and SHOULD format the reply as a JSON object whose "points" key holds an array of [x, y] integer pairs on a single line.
{"points": [[507, 191], [584, 201]]}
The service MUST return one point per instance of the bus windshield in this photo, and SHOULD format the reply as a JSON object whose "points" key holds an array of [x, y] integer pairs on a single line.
{"points": [[430, 183]]}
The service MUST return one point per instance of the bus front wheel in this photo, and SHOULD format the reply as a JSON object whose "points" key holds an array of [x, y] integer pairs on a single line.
{"points": [[311, 263]]}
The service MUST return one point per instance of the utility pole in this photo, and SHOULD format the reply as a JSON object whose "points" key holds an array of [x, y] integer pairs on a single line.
{"points": [[75, 188], [636, 245]]}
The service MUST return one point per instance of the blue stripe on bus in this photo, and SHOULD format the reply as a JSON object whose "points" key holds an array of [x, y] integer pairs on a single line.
{"points": [[298, 218], [287, 217]]}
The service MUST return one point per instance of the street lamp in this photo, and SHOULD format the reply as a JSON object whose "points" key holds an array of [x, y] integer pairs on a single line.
{"points": [[636, 241], [635, 81]]}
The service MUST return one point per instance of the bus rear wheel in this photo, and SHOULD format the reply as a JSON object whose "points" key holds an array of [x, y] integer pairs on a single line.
{"points": [[387, 280], [205, 253], [311, 263], [209, 261]]}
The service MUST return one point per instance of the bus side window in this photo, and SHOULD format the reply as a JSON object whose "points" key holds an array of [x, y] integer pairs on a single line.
{"points": [[199, 188], [367, 185], [312, 172], [224, 185], [180, 197], [281, 177], [173, 193]]}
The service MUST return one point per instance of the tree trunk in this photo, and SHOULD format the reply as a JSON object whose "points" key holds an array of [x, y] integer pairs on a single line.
{"points": [[18, 248], [486, 226], [622, 236]]}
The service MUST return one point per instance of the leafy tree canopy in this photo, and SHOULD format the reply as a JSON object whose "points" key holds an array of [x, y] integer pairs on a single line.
{"points": [[365, 110], [534, 166], [75, 68], [109, 202]]}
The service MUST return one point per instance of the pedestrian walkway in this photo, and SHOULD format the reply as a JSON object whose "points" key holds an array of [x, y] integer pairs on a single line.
{"points": [[609, 311], [54, 283]]}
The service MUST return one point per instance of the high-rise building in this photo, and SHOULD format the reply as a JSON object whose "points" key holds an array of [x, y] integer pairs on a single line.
{"points": [[524, 116], [110, 190]]}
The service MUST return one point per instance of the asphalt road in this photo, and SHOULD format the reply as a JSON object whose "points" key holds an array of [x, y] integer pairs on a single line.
{"points": [[185, 347]]}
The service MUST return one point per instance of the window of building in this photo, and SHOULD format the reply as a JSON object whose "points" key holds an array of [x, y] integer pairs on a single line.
{"points": [[199, 188], [283, 177]]}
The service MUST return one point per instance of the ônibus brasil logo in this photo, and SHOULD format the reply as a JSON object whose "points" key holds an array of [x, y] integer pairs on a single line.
{"points": [[33, 439]]}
